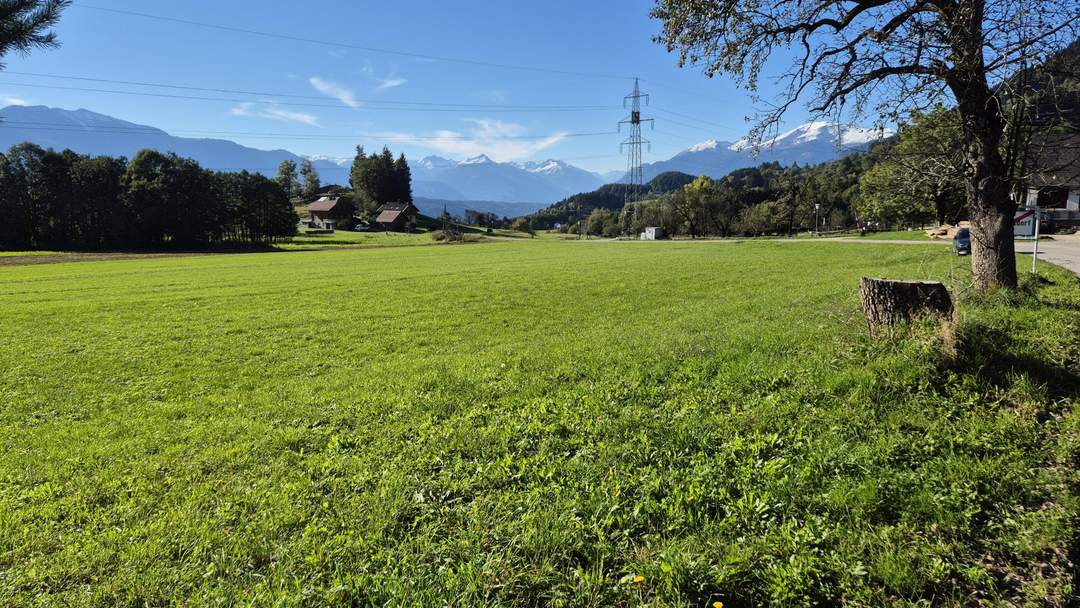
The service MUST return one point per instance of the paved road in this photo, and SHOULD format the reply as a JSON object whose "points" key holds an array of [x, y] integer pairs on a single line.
{"points": [[1063, 251], [842, 239]]}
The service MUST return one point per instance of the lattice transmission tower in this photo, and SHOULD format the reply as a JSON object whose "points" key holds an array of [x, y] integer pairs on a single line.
{"points": [[635, 177]]}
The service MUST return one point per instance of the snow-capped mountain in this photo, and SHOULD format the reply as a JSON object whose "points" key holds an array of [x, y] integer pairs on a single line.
{"points": [[433, 163], [806, 144], [480, 178], [476, 160], [89, 132], [573, 179]]}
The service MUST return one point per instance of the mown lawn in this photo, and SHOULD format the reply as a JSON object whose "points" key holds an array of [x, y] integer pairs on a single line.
{"points": [[532, 423]]}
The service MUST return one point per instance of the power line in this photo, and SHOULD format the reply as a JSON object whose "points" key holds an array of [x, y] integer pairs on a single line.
{"points": [[285, 103], [137, 130], [370, 49], [688, 117], [315, 97], [696, 94]]}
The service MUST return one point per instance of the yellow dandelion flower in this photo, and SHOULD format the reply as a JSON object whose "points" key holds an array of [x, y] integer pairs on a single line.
{"points": [[639, 579], [718, 605]]}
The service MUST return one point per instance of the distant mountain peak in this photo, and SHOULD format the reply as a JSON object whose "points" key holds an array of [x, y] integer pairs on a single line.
{"points": [[86, 119], [806, 144], [477, 160], [435, 162], [341, 162], [709, 144], [819, 131], [547, 166]]}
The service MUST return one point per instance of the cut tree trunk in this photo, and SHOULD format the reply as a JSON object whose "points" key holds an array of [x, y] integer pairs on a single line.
{"points": [[887, 303]]}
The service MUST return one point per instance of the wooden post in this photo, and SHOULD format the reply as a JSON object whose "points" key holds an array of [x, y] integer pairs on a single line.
{"points": [[886, 303]]}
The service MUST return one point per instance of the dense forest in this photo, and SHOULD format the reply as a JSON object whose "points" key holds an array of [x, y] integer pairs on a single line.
{"points": [[52, 199]]}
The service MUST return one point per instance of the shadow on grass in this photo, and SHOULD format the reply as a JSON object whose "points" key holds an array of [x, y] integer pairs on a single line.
{"points": [[995, 355], [90, 255]]}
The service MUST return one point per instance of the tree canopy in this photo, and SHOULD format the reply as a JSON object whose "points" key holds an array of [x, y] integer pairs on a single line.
{"points": [[24, 25], [67, 200], [891, 56], [379, 178]]}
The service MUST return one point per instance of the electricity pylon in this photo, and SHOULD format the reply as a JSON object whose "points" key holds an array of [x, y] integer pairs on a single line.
{"points": [[635, 177]]}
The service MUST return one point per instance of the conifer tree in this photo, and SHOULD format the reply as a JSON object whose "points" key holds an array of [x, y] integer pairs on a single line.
{"points": [[403, 177]]}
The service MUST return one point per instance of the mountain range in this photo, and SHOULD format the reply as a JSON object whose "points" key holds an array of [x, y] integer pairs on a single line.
{"points": [[480, 178], [806, 144], [92, 133], [477, 183]]}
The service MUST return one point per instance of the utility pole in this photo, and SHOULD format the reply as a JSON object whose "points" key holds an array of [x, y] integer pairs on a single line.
{"points": [[1035, 251], [634, 175]]}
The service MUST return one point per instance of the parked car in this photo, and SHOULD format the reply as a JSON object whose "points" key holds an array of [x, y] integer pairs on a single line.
{"points": [[962, 241]]}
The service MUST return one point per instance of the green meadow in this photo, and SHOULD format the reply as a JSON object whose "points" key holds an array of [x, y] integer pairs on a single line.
{"points": [[533, 423]]}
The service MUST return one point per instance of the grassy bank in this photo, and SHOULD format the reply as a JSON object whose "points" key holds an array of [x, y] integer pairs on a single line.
{"points": [[531, 423]]}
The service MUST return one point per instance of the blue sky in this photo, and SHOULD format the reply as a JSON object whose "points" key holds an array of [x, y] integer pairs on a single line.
{"points": [[322, 100]]}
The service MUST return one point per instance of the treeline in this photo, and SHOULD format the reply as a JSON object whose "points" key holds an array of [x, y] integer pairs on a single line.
{"points": [[768, 199], [52, 199], [379, 178], [611, 197]]}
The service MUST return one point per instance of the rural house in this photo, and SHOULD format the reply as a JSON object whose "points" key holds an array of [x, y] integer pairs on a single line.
{"points": [[397, 217], [329, 212], [1055, 184]]}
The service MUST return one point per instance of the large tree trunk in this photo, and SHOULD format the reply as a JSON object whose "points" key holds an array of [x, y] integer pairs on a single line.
{"points": [[993, 256]]}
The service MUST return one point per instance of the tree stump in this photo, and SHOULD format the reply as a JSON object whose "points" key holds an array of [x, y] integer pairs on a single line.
{"points": [[886, 303]]}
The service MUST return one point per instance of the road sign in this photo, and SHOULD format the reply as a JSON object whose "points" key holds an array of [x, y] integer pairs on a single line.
{"points": [[1024, 223]]}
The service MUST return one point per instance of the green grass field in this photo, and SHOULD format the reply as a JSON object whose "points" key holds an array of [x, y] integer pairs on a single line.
{"points": [[895, 235], [532, 423], [348, 238]]}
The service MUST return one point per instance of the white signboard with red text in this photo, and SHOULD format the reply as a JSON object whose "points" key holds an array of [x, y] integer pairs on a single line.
{"points": [[1024, 223]]}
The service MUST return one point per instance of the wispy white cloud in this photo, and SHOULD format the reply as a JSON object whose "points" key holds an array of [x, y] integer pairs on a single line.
{"points": [[9, 100], [273, 112], [300, 117], [337, 53], [390, 82], [335, 90], [501, 141]]}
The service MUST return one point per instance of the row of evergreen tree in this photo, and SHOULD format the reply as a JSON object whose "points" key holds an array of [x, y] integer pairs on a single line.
{"points": [[378, 179], [52, 199]]}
